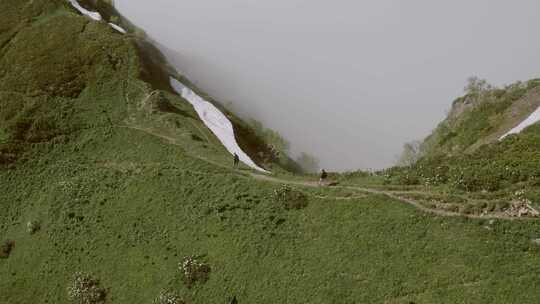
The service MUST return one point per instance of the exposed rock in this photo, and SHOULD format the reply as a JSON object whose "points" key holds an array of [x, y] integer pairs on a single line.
{"points": [[522, 209]]}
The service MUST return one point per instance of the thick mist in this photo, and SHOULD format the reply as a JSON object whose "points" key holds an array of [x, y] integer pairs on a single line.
{"points": [[347, 81]]}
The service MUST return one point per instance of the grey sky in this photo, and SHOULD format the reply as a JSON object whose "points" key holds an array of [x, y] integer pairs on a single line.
{"points": [[347, 81]]}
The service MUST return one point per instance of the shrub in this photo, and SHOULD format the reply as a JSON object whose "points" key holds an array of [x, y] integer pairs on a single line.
{"points": [[85, 289], [33, 227], [6, 248], [290, 198], [194, 270], [270, 137], [168, 297], [476, 86], [411, 153], [409, 178]]}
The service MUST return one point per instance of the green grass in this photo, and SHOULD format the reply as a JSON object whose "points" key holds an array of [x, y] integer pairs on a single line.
{"points": [[508, 165], [126, 182], [3, 136], [132, 206], [481, 118], [488, 179], [464, 156]]}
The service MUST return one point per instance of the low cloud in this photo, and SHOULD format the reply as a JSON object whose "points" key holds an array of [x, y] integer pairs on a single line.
{"points": [[346, 81]]}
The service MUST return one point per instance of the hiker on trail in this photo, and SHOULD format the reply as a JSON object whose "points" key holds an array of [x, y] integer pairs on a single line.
{"points": [[236, 160], [322, 180]]}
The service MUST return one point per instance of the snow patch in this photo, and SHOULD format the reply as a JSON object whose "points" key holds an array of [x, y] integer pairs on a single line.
{"points": [[216, 121], [118, 28], [94, 15], [531, 120]]}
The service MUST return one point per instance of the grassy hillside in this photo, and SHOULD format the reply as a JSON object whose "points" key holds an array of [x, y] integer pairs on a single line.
{"points": [[464, 157], [105, 173], [482, 116]]}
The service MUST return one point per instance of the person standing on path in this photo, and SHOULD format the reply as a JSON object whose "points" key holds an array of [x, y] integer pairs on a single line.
{"points": [[324, 175], [236, 160]]}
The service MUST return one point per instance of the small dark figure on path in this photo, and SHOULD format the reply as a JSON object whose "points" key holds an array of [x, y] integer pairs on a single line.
{"points": [[236, 160], [324, 175]]}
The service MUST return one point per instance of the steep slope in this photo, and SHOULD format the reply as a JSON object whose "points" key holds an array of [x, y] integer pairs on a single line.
{"points": [[532, 119], [69, 72], [487, 149], [106, 171], [218, 123], [482, 117]]}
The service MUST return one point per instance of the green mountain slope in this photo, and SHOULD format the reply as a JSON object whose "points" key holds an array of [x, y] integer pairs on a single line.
{"points": [[482, 117], [464, 156], [104, 171]]}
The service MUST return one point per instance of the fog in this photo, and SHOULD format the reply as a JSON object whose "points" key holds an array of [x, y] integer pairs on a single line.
{"points": [[346, 81]]}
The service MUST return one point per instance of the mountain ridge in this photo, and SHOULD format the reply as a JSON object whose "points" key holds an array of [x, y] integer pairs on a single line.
{"points": [[482, 116], [113, 191]]}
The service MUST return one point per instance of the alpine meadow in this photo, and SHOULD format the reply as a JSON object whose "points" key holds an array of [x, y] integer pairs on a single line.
{"points": [[117, 185]]}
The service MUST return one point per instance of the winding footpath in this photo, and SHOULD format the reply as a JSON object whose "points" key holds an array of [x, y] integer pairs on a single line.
{"points": [[416, 204], [313, 184], [219, 124]]}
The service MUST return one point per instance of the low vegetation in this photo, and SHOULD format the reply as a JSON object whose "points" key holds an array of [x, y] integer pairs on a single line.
{"points": [[126, 191], [85, 289], [290, 198], [33, 227], [5, 248], [193, 271], [278, 143], [512, 163], [168, 297], [481, 116], [464, 156]]}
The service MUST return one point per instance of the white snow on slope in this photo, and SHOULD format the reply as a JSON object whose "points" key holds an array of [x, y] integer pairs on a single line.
{"points": [[531, 120], [118, 28], [216, 121], [211, 116], [94, 15]]}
